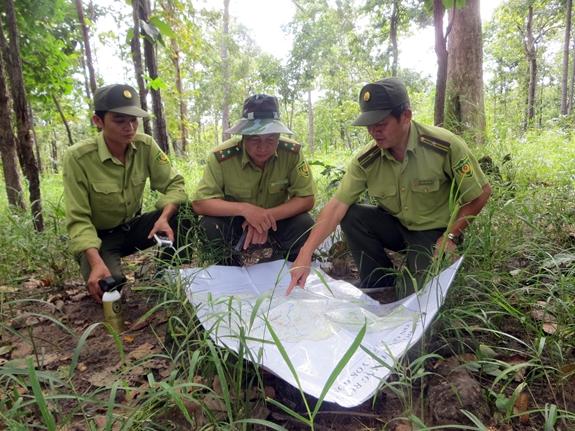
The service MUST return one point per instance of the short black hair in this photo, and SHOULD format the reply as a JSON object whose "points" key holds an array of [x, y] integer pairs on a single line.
{"points": [[400, 109], [100, 114]]}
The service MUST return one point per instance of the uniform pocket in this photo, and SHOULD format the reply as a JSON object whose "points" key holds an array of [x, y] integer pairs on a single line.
{"points": [[105, 194], [138, 183], [386, 197], [427, 195], [279, 186]]}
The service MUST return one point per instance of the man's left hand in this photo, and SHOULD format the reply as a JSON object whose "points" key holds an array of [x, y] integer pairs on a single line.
{"points": [[253, 236], [162, 226]]}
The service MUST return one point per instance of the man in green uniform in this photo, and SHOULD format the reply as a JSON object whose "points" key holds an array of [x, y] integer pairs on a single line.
{"points": [[257, 188], [104, 181], [410, 171]]}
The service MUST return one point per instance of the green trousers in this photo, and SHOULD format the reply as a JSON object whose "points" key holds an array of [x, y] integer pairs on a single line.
{"points": [[369, 230]]}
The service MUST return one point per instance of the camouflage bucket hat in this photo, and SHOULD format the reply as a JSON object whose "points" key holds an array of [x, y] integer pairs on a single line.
{"points": [[260, 117], [377, 100], [119, 98]]}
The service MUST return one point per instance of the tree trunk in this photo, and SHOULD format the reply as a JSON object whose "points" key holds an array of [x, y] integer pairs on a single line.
{"points": [[160, 129], [136, 50], [225, 72], [565, 74], [441, 53], [310, 130], [8, 140], [23, 120], [181, 101], [531, 54], [572, 85], [64, 121], [465, 110], [54, 151], [87, 49], [393, 24]]}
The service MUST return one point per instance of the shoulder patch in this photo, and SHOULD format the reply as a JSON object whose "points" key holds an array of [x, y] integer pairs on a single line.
{"points": [[227, 153], [434, 143], [290, 145], [369, 156]]}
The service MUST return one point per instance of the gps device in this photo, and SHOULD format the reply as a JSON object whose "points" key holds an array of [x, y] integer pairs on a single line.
{"points": [[163, 241]]}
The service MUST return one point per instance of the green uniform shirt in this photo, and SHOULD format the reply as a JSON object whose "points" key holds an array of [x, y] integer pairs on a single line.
{"points": [[230, 174], [101, 193], [416, 190]]}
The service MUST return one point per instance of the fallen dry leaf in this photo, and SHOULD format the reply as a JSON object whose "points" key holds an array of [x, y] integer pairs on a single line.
{"points": [[8, 289], [550, 328], [402, 426], [6, 349], [79, 296], [104, 378], [129, 339], [521, 406], [141, 351], [82, 367], [32, 284], [21, 351]]}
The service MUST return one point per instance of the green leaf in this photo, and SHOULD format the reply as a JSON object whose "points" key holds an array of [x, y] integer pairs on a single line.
{"points": [[164, 28]]}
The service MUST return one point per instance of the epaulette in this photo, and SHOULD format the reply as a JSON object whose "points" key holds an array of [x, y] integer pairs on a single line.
{"points": [[83, 149], [289, 145], [434, 143], [228, 153], [369, 156]]}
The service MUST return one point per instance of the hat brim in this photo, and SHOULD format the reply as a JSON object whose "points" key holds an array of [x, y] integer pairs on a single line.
{"points": [[369, 118], [134, 111], [258, 127]]}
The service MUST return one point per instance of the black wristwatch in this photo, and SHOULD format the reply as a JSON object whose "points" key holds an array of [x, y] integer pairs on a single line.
{"points": [[456, 239]]}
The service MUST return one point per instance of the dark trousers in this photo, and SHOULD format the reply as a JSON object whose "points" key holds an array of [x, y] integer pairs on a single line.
{"points": [[369, 230], [133, 236], [222, 235]]}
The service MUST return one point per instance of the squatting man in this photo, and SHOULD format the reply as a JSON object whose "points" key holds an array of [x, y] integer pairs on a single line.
{"points": [[409, 170]]}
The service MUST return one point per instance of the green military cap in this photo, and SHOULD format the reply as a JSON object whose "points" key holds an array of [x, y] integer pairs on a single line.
{"points": [[378, 99], [119, 98], [261, 116]]}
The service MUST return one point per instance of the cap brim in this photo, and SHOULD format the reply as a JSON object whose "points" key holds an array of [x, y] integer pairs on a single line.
{"points": [[258, 127], [369, 118], [134, 111]]}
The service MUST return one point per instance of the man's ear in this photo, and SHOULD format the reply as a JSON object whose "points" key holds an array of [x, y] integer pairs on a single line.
{"points": [[98, 122], [407, 114]]}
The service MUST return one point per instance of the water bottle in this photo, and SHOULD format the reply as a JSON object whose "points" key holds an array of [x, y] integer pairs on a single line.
{"points": [[112, 302]]}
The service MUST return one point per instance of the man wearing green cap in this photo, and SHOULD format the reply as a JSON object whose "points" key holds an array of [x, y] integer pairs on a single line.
{"points": [[411, 171], [257, 188], [104, 180]]}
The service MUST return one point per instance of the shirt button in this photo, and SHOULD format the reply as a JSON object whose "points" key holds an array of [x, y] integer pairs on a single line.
{"points": [[403, 189], [405, 208]]}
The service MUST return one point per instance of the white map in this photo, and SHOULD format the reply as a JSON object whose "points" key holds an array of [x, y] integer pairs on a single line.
{"points": [[316, 326]]}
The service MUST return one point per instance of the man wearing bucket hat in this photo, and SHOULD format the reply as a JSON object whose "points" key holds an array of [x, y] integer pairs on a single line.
{"points": [[257, 188], [104, 180], [411, 171]]}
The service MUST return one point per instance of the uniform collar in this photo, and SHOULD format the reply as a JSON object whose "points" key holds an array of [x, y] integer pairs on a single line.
{"points": [[103, 151], [246, 157]]}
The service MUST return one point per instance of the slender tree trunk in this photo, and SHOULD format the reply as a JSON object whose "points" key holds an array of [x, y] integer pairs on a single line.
{"points": [[87, 49], [531, 54], [64, 121], [160, 129], [441, 53], [136, 50], [181, 101], [54, 151], [225, 71], [23, 120], [8, 140], [565, 72], [393, 24], [572, 85], [85, 72], [310, 126], [465, 109], [35, 138]]}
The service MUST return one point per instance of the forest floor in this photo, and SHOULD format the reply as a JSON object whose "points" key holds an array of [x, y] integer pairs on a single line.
{"points": [[45, 332]]}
